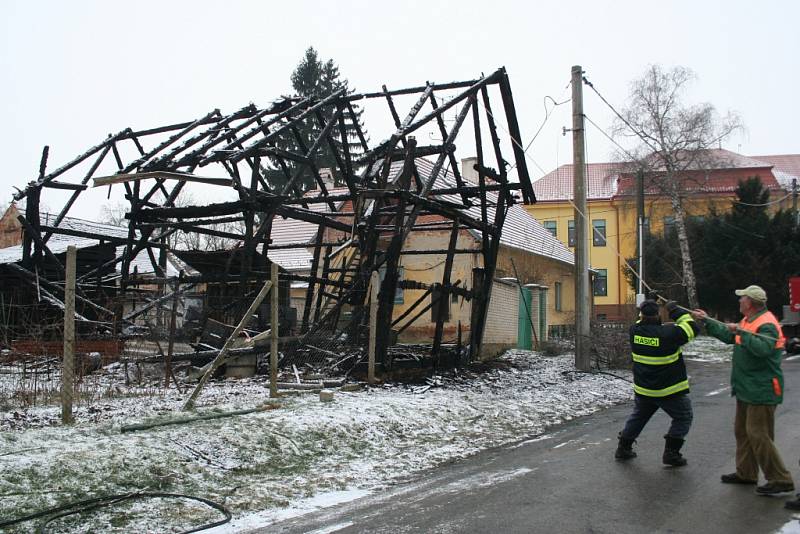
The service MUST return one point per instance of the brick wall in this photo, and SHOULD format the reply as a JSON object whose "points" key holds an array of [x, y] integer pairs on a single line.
{"points": [[10, 228]]}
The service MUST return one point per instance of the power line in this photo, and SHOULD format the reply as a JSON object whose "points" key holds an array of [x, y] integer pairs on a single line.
{"points": [[547, 114], [631, 156], [762, 205], [618, 114]]}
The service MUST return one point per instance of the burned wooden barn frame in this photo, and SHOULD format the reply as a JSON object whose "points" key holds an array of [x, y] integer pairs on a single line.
{"points": [[361, 226]]}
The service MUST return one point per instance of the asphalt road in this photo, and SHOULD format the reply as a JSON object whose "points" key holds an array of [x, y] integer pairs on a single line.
{"points": [[569, 482]]}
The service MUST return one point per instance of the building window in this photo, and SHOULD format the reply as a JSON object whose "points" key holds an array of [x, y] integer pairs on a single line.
{"points": [[398, 292], [601, 283], [599, 232], [571, 233], [558, 296], [550, 226]]}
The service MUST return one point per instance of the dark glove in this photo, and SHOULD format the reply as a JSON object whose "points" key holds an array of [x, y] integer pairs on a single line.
{"points": [[671, 306]]}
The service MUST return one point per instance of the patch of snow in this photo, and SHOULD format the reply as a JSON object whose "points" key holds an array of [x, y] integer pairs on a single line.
{"points": [[267, 465], [792, 527], [707, 349]]}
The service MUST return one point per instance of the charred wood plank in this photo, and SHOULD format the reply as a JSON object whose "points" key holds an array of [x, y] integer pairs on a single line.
{"points": [[164, 175], [63, 185], [95, 149]]}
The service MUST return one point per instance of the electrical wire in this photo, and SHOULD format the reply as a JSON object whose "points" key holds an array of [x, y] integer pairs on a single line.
{"points": [[618, 114], [547, 114], [762, 205], [92, 504], [631, 156]]}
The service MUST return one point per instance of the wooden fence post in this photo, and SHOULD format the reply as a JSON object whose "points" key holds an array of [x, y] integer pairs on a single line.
{"points": [[273, 326], [68, 364], [375, 283]]}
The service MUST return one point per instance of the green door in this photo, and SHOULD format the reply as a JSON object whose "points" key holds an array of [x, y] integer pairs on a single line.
{"points": [[542, 314], [524, 338]]}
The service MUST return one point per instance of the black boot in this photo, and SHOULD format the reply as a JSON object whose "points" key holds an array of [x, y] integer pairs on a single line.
{"points": [[624, 449], [672, 455]]}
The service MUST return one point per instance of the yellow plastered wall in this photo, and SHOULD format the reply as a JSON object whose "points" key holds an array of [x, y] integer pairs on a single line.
{"points": [[543, 271], [600, 257], [429, 269]]}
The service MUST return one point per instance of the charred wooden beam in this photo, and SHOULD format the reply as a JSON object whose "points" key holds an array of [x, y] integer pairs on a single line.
{"points": [[315, 273], [255, 146], [413, 90], [281, 110], [95, 149], [516, 138], [164, 175], [444, 303]]}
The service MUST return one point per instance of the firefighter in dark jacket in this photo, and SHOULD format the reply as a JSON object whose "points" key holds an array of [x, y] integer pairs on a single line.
{"points": [[659, 379]]}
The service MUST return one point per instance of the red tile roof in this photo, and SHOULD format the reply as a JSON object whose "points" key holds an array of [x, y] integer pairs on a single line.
{"points": [[601, 179], [786, 167], [606, 180]]}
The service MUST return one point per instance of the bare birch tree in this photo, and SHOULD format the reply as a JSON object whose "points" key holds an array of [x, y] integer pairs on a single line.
{"points": [[673, 140]]}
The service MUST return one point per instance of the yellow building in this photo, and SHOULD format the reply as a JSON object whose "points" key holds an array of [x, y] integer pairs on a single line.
{"points": [[610, 193]]}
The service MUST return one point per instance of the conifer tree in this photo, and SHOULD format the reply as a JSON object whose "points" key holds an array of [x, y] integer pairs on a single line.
{"points": [[317, 79]]}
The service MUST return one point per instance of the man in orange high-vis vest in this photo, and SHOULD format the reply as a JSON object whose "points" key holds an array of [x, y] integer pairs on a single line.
{"points": [[757, 384]]}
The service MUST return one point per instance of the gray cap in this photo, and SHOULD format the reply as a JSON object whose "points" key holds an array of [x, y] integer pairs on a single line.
{"points": [[754, 292]]}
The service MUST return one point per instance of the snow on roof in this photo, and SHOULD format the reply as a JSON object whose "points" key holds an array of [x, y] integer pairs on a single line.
{"points": [[82, 225], [58, 243], [786, 167], [601, 180], [142, 265], [605, 180], [286, 231], [520, 229]]}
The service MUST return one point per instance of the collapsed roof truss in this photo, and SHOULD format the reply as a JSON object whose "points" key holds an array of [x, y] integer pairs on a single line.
{"points": [[384, 189]]}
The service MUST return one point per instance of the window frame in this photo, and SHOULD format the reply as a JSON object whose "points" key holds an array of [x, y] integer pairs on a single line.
{"points": [[571, 233], [596, 240], [599, 279]]}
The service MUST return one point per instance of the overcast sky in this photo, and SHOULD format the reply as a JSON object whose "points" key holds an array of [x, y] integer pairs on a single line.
{"points": [[74, 71]]}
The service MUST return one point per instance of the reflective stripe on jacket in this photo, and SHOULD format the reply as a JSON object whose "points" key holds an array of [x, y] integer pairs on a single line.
{"points": [[658, 366]]}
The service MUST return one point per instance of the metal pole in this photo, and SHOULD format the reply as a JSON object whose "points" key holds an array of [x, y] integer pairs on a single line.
{"points": [[68, 365], [583, 296], [640, 235]]}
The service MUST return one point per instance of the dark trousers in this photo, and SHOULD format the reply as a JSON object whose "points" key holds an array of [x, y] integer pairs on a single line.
{"points": [[754, 428], [678, 407]]}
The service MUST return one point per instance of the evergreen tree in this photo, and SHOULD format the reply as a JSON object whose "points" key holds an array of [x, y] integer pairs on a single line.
{"points": [[318, 79]]}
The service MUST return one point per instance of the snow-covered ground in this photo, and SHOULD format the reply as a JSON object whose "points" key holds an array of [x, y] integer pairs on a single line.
{"points": [[271, 464]]}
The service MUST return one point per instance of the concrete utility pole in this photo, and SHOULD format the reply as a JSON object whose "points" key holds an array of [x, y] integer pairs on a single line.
{"points": [[583, 297]]}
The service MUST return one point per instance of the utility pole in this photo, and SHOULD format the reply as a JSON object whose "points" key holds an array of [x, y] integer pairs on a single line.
{"points": [[583, 298], [640, 236]]}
